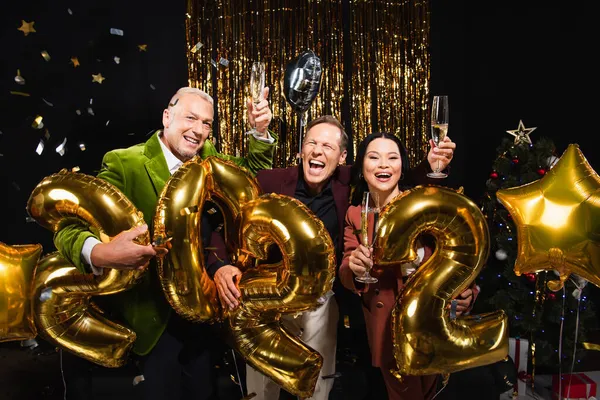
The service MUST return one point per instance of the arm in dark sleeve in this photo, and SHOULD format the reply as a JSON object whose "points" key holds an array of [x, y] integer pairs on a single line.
{"points": [[215, 252]]}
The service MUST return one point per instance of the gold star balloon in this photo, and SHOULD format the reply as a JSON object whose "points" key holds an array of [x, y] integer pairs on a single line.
{"points": [[17, 265], [521, 134], [558, 220], [27, 27]]}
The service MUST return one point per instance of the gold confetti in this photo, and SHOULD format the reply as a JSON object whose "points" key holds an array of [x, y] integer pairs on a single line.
{"points": [[142, 47], [197, 47], [27, 27], [117, 60], [19, 79], [37, 122], [45, 54], [98, 78], [75, 62], [19, 93], [82, 146]]}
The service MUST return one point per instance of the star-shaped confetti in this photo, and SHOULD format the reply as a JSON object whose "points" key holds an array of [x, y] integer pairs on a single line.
{"points": [[142, 47], [558, 220], [521, 134], [26, 27], [75, 62], [98, 78]]}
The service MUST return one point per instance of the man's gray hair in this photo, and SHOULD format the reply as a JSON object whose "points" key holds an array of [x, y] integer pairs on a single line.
{"points": [[190, 90]]}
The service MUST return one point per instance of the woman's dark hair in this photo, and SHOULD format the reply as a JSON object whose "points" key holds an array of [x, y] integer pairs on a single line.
{"points": [[358, 183]]}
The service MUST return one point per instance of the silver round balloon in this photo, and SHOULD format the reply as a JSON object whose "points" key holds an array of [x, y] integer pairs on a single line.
{"points": [[302, 80], [301, 84]]}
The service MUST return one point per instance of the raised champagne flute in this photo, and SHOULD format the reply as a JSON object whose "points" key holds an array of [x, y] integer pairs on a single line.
{"points": [[257, 85], [370, 206], [439, 127]]}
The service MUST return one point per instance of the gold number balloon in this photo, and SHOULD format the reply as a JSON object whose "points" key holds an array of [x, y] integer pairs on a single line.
{"points": [[251, 225], [63, 311], [178, 218], [17, 265], [305, 273], [65, 315], [558, 220], [426, 340]]}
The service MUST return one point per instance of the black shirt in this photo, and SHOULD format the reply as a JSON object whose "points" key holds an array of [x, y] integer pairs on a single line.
{"points": [[323, 205]]}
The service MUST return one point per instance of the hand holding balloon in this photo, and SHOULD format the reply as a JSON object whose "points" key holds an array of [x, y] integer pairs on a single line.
{"points": [[123, 253]]}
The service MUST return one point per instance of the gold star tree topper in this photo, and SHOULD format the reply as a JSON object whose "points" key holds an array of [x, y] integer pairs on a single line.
{"points": [[521, 134], [558, 220], [26, 27], [98, 78]]}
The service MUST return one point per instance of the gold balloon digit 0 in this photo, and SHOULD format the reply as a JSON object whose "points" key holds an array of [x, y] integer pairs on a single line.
{"points": [[426, 340], [182, 271], [64, 312], [295, 284], [17, 265], [252, 224]]}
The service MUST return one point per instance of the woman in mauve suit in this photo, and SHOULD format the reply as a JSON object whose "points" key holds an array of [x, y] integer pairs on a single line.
{"points": [[380, 164]]}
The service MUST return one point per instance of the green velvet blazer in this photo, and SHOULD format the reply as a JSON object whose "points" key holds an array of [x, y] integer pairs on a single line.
{"points": [[141, 172]]}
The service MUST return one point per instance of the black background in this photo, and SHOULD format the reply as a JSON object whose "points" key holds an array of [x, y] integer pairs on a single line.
{"points": [[500, 62]]}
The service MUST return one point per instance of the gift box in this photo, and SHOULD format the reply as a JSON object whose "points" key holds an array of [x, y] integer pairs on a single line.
{"points": [[518, 350], [575, 386]]}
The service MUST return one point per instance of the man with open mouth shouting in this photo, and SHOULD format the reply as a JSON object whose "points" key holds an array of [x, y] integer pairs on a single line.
{"points": [[174, 354], [321, 182]]}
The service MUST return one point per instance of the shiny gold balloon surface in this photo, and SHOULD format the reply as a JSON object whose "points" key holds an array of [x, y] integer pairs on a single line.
{"points": [[178, 218], [17, 265], [68, 319], [426, 340], [295, 284], [95, 202], [558, 220]]}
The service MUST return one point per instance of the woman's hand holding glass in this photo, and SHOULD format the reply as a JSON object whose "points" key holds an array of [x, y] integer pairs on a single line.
{"points": [[442, 154], [360, 260]]}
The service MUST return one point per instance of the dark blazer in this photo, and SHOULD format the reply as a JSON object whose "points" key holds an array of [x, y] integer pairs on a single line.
{"points": [[284, 181]]}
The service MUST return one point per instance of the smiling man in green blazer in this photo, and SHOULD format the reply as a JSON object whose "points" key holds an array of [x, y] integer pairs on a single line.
{"points": [[169, 350]]}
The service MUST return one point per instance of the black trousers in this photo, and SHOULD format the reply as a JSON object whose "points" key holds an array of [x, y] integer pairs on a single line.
{"points": [[180, 365]]}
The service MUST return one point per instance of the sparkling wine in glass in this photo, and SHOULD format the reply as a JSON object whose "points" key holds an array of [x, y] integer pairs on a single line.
{"points": [[257, 84], [439, 127], [370, 206]]}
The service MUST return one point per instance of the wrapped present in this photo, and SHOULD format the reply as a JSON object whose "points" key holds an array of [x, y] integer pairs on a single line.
{"points": [[574, 386], [518, 350]]}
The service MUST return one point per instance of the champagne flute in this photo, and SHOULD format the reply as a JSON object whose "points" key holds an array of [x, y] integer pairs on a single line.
{"points": [[257, 84], [370, 205], [439, 127]]}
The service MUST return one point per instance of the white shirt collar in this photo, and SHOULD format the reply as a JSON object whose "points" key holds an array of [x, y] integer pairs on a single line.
{"points": [[173, 163]]}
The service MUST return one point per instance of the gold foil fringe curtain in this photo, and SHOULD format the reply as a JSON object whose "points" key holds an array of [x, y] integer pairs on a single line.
{"points": [[386, 50]]}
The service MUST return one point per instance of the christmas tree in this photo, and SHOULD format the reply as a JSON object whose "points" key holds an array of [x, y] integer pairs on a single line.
{"points": [[535, 313]]}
